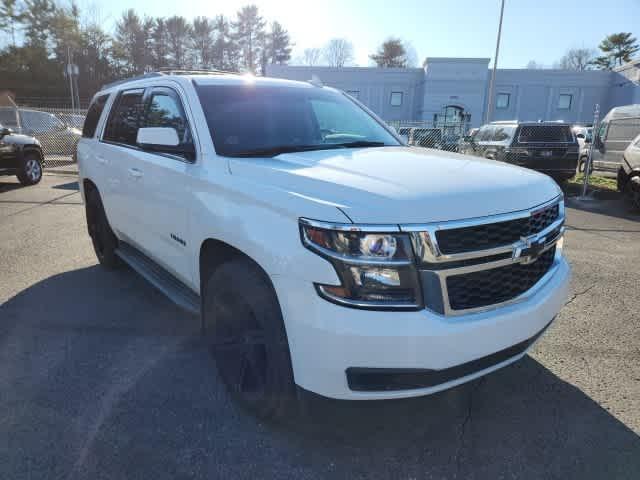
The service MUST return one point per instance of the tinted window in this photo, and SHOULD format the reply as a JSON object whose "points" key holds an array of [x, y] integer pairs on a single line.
{"points": [[166, 111], [545, 133], [39, 122], [123, 123], [242, 118], [93, 115], [502, 134]]}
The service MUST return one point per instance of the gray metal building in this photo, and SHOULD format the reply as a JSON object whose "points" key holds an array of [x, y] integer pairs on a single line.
{"points": [[457, 88]]}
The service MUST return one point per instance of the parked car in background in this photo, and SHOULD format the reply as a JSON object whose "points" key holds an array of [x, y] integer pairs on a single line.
{"points": [[55, 136], [73, 120], [629, 172], [617, 129], [319, 250], [465, 145], [21, 156], [548, 147]]}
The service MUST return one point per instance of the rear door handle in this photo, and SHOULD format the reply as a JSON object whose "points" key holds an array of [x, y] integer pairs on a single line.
{"points": [[134, 172], [101, 159]]}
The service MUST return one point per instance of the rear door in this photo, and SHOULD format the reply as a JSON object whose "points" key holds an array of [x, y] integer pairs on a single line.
{"points": [[159, 187], [550, 147], [116, 157]]}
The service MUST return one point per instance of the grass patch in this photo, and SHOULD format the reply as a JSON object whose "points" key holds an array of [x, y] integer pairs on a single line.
{"points": [[595, 182]]}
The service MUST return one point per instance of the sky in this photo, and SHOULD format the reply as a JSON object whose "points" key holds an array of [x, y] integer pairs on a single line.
{"points": [[540, 30]]}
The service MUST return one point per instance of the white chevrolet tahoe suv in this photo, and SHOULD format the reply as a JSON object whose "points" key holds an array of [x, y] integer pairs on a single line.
{"points": [[320, 252]]}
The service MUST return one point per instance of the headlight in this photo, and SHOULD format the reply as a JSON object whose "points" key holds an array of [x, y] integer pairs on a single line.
{"points": [[376, 267]]}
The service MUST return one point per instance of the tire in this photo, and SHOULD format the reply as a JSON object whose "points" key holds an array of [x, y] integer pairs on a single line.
{"points": [[631, 193], [104, 240], [30, 171], [245, 333]]}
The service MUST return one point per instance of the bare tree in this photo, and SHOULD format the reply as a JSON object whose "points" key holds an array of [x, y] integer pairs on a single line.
{"points": [[338, 52], [577, 59], [311, 56]]}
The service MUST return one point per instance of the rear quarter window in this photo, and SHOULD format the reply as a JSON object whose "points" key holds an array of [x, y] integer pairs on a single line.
{"points": [[93, 115], [545, 134]]}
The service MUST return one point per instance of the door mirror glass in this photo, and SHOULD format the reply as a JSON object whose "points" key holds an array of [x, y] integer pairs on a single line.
{"points": [[5, 131], [158, 137], [580, 135]]}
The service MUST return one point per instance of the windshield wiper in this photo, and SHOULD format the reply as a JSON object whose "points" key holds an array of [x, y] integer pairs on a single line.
{"points": [[274, 151], [359, 144]]}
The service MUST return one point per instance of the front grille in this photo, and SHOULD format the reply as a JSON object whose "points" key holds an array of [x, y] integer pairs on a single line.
{"points": [[482, 237], [497, 285]]}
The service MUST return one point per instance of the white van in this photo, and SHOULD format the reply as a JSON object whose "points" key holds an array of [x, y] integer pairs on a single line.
{"points": [[617, 129]]}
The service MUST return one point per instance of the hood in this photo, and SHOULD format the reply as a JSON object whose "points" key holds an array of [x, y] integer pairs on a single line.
{"points": [[401, 184], [19, 139]]}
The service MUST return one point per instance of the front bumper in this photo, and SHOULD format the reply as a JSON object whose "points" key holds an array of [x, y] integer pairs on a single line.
{"points": [[326, 339]]}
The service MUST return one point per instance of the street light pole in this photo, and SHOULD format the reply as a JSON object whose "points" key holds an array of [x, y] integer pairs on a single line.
{"points": [[495, 66]]}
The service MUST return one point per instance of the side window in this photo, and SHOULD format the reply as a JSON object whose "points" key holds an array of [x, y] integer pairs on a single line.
{"points": [[124, 118], [40, 122], [485, 134], [93, 115], [165, 110]]}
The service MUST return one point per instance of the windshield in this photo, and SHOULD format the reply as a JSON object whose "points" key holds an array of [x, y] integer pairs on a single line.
{"points": [[249, 119]]}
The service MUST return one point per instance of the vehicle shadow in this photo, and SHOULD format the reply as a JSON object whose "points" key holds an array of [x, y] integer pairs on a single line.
{"points": [[8, 186], [104, 378], [618, 208]]}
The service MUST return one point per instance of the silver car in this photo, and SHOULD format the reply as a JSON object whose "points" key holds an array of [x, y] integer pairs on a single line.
{"points": [[55, 136]]}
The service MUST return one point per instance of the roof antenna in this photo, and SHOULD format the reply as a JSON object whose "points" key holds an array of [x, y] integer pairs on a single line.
{"points": [[315, 81]]}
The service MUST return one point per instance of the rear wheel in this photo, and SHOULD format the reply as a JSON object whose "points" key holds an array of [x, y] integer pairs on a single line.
{"points": [[30, 171], [247, 338], [104, 240]]}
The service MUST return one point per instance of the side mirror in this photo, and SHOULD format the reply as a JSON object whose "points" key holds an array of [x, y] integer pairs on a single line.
{"points": [[580, 135], [164, 139], [5, 131]]}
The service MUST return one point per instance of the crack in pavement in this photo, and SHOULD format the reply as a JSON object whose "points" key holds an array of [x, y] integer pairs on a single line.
{"points": [[465, 422], [579, 294], [48, 202]]}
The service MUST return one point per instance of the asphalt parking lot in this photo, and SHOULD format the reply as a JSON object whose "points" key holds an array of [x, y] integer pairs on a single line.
{"points": [[102, 377]]}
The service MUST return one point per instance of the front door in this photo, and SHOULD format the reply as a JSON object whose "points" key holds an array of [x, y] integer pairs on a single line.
{"points": [[159, 188]]}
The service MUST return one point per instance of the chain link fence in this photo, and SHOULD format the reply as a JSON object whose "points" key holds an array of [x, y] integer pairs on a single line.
{"points": [[550, 147], [57, 127]]}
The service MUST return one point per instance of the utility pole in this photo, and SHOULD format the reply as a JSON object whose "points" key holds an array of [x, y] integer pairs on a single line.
{"points": [[69, 74], [493, 72]]}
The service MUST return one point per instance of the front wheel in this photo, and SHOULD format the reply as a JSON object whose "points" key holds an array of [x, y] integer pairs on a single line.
{"points": [[246, 335], [631, 191], [30, 171]]}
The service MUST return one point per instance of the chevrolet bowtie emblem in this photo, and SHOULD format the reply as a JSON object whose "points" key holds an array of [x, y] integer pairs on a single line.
{"points": [[528, 249]]}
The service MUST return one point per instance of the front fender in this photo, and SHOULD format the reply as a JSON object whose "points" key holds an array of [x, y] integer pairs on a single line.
{"points": [[262, 222]]}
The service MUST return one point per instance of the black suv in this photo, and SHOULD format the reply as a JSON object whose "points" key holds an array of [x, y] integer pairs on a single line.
{"points": [[20, 155], [548, 147]]}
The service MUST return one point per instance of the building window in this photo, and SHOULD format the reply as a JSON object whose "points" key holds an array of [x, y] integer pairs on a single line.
{"points": [[354, 93], [502, 100], [396, 99], [564, 101]]}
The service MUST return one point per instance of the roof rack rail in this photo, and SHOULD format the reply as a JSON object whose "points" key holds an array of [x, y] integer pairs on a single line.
{"points": [[167, 71]]}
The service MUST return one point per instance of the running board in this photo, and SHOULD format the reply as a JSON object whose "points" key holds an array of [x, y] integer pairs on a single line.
{"points": [[164, 281]]}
